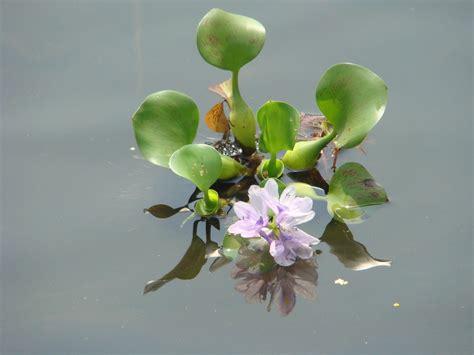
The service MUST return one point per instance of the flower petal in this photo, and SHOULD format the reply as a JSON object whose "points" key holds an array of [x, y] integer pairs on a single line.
{"points": [[245, 211], [276, 248], [271, 187], [246, 228], [288, 195], [302, 251], [302, 237], [257, 198], [288, 219]]}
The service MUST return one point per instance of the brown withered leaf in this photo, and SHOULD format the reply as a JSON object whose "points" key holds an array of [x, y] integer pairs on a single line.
{"points": [[216, 119], [223, 89], [310, 126]]}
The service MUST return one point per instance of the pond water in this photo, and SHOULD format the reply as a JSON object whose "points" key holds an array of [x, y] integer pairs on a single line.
{"points": [[77, 248]]}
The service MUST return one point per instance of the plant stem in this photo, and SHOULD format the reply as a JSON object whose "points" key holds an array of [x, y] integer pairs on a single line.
{"points": [[236, 97], [207, 199], [272, 166]]}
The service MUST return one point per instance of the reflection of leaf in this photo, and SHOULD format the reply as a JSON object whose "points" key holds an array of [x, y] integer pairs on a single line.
{"points": [[219, 263], [216, 119], [350, 188], [311, 177], [213, 221], [188, 267], [235, 190], [351, 253], [165, 121], [353, 99], [162, 211], [229, 41], [199, 163]]}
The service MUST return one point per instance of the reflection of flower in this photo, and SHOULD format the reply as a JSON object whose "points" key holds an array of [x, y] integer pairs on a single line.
{"points": [[258, 276], [274, 218]]}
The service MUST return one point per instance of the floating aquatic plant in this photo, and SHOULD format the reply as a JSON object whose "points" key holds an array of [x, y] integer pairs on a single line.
{"points": [[264, 166]]}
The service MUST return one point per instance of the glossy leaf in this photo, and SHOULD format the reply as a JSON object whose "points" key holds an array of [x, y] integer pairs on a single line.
{"points": [[216, 119], [352, 254], [305, 155], [165, 121], [350, 189], [199, 163], [229, 41], [353, 99], [230, 168], [188, 267], [279, 123]]}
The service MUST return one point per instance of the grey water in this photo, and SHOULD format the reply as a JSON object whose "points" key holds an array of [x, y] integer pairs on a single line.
{"points": [[77, 249]]}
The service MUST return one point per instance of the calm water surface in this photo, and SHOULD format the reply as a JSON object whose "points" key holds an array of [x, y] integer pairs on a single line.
{"points": [[76, 248]]}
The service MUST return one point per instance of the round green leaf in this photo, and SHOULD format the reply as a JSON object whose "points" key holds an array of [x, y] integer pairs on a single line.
{"points": [[351, 188], [353, 99], [199, 163], [165, 121], [229, 41], [279, 123]]}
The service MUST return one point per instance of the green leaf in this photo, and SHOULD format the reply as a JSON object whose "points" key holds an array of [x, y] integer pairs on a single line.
{"points": [[352, 254], [351, 188], [229, 41], [279, 123], [353, 99], [199, 163], [165, 121], [188, 267]]}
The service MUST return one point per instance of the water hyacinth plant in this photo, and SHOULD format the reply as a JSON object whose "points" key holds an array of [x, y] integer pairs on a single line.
{"points": [[252, 167]]}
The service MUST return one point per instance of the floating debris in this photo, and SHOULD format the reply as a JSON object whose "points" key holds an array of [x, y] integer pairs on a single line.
{"points": [[341, 282]]}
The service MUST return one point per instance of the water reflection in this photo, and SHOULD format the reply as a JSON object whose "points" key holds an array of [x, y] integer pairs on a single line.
{"points": [[352, 254], [257, 276]]}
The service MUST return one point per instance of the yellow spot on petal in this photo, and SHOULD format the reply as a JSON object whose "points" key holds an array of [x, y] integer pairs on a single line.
{"points": [[396, 305]]}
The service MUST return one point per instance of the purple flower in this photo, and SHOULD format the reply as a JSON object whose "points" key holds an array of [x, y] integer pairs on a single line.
{"points": [[274, 218]]}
